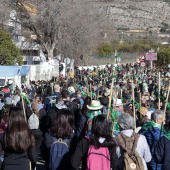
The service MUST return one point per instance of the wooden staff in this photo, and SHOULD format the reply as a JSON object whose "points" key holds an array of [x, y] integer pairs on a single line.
{"points": [[67, 83], [159, 87], [167, 97], [23, 105], [52, 88], [81, 78], [115, 99], [133, 100], [140, 101], [98, 93], [111, 90], [95, 95], [88, 90], [110, 99], [91, 92], [121, 93], [74, 81]]}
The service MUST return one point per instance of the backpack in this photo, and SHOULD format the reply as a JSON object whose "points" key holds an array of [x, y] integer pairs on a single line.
{"points": [[59, 154], [33, 121], [98, 159], [132, 160]]}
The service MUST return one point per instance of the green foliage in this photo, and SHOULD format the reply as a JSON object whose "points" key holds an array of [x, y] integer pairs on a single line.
{"points": [[139, 46], [9, 53], [105, 50], [163, 58]]}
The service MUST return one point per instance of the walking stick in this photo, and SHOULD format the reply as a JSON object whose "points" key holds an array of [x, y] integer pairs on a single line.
{"points": [[159, 92], [133, 100], [23, 105], [110, 98], [140, 102], [91, 92], [166, 103], [121, 93]]}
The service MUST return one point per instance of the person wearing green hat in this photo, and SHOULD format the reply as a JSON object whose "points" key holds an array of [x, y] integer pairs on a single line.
{"points": [[94, 110]]}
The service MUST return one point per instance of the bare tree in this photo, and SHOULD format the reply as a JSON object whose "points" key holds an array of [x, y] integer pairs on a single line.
{"points": [[69, 27]]}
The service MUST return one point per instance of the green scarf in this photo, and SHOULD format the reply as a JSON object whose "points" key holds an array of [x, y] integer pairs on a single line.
{"points": [[167, 135], [116, 128], [151, 124], [91, 114], [115, 117], [84, 94]]}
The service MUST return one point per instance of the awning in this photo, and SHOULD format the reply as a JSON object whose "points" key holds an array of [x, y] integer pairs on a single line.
{"points": [[9, 71], [24, 70]]}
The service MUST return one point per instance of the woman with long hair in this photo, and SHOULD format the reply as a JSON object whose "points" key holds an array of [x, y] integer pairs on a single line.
{"points": [[17, 143], [101, 137], [62, 129]]}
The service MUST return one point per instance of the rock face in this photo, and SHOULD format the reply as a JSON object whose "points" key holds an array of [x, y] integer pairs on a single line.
{"points": [[138, 14]]}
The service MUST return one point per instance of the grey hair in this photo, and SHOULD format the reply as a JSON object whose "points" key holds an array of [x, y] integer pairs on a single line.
{"points": [[126, 121], [157, 114]]}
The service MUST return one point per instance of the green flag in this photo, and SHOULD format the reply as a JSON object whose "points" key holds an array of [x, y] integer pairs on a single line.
{"points": [[116, 56]]}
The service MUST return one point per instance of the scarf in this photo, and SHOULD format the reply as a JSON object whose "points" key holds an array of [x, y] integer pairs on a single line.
{"points": [[151, 124], [91, 114], [167, 135]]}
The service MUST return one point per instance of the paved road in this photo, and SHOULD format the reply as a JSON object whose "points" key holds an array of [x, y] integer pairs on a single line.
{"points": [[40, 164]]}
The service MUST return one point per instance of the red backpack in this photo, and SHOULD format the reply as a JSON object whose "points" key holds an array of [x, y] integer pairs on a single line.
{"points": [[98, 158]]}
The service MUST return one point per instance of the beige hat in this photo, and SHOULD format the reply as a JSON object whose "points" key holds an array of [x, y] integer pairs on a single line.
{"points": [[95, 105], [143, 111]]}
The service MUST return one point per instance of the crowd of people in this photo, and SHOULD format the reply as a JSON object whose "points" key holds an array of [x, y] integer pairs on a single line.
{"points": [[101, 119]]}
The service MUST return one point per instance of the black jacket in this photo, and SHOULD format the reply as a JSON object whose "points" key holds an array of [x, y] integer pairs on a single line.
{"points": [[162, 152], [80, 154], [14, 160]]}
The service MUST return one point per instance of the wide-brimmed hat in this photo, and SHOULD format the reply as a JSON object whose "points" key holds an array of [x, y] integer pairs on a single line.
{"points": [[95, 105], [71, 89], [143, 111], [117, 102]]}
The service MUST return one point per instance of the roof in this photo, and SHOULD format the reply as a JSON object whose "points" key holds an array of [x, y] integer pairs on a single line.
{"points": [[9, 71]]}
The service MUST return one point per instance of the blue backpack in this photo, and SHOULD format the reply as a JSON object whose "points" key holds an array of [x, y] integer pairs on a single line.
{"points": [[59, 154]]}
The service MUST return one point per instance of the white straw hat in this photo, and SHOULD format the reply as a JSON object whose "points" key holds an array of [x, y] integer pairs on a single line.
{"points": [[95, 105], [71, 89], [117, 102]]}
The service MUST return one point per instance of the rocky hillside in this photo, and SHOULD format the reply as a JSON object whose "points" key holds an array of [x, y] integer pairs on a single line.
{"points": [[138, 14]]}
